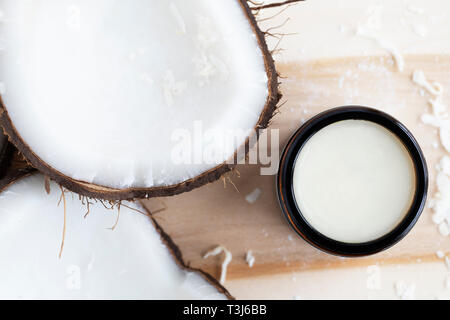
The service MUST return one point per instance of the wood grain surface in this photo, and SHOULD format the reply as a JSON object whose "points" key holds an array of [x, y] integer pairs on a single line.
{"points": [[219, 214]]}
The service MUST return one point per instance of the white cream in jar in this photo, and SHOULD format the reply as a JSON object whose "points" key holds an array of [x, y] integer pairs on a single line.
{"points": [[354, 181]]}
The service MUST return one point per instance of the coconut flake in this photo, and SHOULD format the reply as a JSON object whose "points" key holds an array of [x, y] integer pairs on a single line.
{"points": [[226, 261], [444, 229], [205, 69], [221, 67], [440, 254], [253, 196], [172, 88], [439, 119], [393, 51], [438, 108], [250, 258], [435, 89]]}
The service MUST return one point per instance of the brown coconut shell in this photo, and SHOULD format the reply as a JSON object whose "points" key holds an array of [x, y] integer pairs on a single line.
{"points": [[21, 173], [13, 166], [101, 192], [176, 253]]}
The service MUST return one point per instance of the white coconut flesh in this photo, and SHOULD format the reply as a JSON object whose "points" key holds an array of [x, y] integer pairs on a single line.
{"points": [[107, 91], [129, 262]]}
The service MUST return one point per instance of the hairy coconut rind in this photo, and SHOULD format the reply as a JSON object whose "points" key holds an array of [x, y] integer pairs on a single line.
{"points": [[166, 239], [99, 192]]}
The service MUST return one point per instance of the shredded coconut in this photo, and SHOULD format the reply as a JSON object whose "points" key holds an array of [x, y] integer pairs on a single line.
{"points": [[440, 254], [394, 52], [435, 89], [208, 65], [172, 88], [250, 259], [253, 196], [440, 121], [438, 118], [228, 257], [444, 229]]}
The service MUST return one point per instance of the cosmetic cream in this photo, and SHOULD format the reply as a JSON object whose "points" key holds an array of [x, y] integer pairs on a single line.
{"points": [[354, 181]]}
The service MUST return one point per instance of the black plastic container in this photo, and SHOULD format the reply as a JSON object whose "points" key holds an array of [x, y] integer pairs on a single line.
{"points": [[285, 182]]}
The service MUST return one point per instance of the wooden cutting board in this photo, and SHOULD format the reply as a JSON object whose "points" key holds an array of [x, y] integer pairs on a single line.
{"points": [[218, 214]]}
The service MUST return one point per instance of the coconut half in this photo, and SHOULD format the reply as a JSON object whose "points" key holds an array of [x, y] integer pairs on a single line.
{"points": [[130, 99], [136, 260]]}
